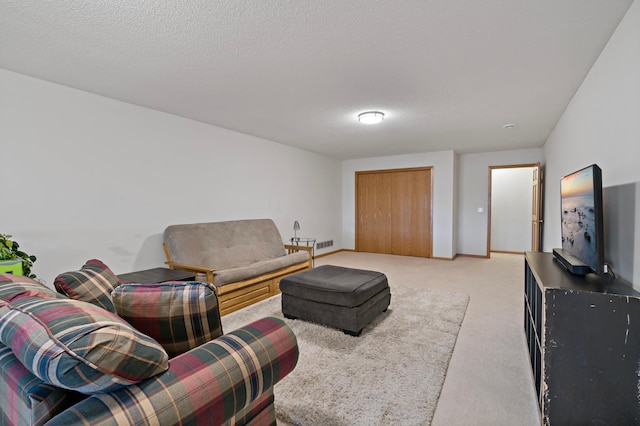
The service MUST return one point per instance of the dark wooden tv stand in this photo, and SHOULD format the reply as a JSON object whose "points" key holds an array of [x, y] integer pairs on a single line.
{"points": [[583, 334]]}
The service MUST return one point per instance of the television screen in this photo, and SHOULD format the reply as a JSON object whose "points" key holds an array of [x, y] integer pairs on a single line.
{"points": [[582, 218]]}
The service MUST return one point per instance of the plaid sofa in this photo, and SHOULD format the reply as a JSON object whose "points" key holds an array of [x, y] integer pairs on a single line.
{"points": [[51, 371]]}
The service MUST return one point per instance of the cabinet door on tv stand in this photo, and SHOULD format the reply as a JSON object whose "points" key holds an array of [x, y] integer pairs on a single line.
{"points": [[591, 358]]}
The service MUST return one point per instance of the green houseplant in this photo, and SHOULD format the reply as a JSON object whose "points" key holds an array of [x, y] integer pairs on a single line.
{"points": [[10, 252]]}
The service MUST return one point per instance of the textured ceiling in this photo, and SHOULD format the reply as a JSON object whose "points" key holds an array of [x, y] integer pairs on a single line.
{"points": [[447, 73]]}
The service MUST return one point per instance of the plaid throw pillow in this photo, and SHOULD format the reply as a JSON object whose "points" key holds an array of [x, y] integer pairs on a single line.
{"points": [[28, 400], [179, 315], [93, 283], [78, 346], [15, 286]]}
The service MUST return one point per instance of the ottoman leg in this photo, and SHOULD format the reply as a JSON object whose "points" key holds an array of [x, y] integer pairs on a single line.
{"points": [[353, 333], [290, 316]]}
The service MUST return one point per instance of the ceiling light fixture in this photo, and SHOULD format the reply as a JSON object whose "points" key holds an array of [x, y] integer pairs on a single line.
{"points": [[371, 117]]}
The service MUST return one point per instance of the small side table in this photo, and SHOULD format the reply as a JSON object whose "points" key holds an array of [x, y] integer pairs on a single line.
{"points": [[156, 275], [309, 242]]}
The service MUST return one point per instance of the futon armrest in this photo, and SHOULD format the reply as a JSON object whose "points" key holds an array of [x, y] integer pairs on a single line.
{"points": [[292, 248], [192, 268], [207, 385]]}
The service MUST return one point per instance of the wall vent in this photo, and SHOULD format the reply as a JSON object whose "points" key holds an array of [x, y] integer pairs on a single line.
{"points": [[324, 244]]}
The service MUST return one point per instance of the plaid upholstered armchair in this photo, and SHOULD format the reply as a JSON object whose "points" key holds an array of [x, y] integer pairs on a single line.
{"points": [[66, 361]]}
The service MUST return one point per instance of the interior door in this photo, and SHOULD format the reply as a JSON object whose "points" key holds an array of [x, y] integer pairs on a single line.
{"points": [[536, 209]]}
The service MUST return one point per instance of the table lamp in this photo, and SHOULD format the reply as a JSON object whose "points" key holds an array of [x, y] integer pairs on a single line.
{"points": [[296, 228]]}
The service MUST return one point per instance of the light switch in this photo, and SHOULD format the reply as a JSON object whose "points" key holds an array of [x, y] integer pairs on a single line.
{"points": [[480, 210]]}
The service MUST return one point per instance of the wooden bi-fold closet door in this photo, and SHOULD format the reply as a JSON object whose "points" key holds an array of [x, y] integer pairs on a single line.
{"points": [[393, 211]]}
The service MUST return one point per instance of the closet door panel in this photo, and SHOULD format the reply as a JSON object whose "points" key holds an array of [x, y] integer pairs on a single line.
{"points": [[411, 213], [393, 212], [373, 204]]}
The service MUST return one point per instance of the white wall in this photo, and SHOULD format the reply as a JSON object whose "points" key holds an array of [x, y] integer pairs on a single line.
{"points": [[473, 192], [601, 125], [442, 196], [511, 203], [86, 176]]}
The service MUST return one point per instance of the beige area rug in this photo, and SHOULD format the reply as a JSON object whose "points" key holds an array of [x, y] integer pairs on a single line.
{"points": [[391, 374]]}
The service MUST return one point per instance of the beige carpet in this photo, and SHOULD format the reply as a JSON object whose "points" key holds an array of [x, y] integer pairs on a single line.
{"points": [[392, 374], [489, 378]]}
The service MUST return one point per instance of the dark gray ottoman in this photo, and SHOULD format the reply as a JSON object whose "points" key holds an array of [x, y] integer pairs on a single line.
{"points": [[343, 298]]}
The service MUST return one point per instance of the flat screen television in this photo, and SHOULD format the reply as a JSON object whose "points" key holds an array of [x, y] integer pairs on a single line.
{"points": [[582, 222]]}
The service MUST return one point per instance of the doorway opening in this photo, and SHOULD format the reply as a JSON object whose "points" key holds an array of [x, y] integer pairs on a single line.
{"points": [[514, 209]]}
